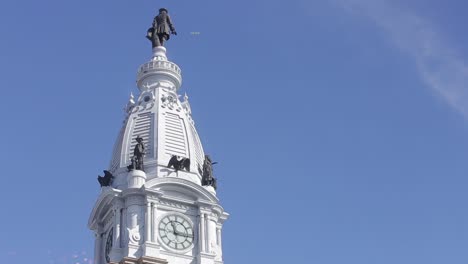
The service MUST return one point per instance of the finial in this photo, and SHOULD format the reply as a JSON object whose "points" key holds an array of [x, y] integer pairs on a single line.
{"points": [[185, 97], [130, 103]]}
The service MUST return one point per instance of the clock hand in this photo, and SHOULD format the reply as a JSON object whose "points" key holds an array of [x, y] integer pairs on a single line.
{"points": [[184, 234], [176, 233], [174, 229]]}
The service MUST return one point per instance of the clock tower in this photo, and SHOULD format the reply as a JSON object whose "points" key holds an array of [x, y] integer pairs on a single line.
{"points": [[158, 200]]}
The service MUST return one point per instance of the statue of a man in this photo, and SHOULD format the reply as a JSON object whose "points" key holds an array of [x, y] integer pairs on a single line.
{"points": [[161, 29], [138, 153], [207, 176]]}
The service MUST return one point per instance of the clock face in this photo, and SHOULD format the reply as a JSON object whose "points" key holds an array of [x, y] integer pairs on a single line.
{"points": [[176, 232], [109, 243]]}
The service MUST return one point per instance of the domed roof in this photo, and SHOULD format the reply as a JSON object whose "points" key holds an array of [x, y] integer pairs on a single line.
{"points": [[163, 121]]}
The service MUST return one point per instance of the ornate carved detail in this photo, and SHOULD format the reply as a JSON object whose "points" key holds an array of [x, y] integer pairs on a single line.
{"points": [[136, 109], [130, 105], [134, 236], [214, 216], [149, 106], [205, 208], [187, 109], [168, 101], [135, 224], [149, 86], [146, 98], [172, 204], [142, 108]]}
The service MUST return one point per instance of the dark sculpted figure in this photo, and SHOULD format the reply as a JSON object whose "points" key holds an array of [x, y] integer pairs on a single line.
{"points": [[105, 180], [207, 176], [182, 164], [138, 154], [162, 29]]}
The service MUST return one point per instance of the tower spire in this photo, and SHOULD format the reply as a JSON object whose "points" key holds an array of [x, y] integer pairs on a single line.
{"points": [[158, 203]]}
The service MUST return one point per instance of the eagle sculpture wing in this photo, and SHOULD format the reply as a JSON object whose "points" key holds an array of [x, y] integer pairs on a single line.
{"points": [[186, 164], [107, 174], [173, 162]]}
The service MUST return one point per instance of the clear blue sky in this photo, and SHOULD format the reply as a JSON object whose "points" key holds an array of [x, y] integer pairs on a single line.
{"points": [[340, 126]]}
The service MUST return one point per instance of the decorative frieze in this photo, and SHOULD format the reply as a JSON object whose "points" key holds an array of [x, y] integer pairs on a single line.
{"points": [[173, 204]]}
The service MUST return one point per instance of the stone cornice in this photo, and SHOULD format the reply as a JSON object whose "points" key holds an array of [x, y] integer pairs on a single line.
{"points": [[104, 199]]}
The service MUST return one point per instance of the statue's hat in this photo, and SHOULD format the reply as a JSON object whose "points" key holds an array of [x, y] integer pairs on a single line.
{"points": [[163, 9], [139, 138]]}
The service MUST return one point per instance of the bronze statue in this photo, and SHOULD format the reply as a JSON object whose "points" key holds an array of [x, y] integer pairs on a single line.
{"points": [[138, 154], [177, 164], [105, 180], [207, 177], [162, 28]]}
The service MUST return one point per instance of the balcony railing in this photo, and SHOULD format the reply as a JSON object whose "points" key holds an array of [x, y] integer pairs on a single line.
{"points": [[155, 65]]}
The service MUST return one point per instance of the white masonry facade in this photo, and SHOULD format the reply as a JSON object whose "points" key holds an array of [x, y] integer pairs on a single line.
{"points": [[158, 215]]}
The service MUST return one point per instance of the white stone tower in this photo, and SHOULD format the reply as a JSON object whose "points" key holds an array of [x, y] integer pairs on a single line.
{"points": [[158, 215]]}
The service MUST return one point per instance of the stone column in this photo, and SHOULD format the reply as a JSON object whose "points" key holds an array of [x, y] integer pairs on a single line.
{"points": [[218, 236], [211, 234], [202, 232], [148, 224], [116, 242], [220, 247], [153, 218], [97, 247], [123, 228]]}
